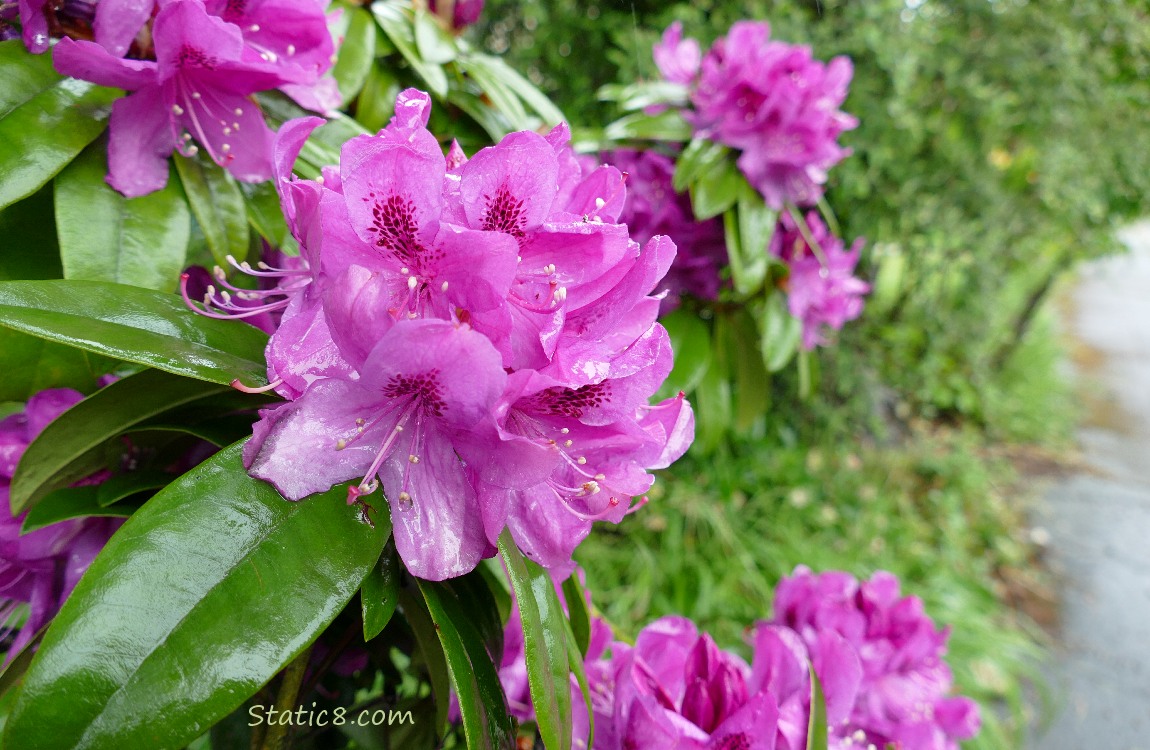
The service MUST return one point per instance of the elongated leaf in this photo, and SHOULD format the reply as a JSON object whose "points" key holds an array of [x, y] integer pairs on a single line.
{"points": [[31, 364], [72, 502], [525, 90], [715, 189], [16, 668], [480, 68], [395, 18], [665, 126], [493, 122], [751, 380], [356, 53], [55, 458], [691, 342], [263, 211], [379, 593], [545, 644], [28, 245], [427, 637], [218, 204], [578, 613], [700, 155], [780, 332], [194, 604], [817, 724], [479, 601], [41, 135], [575, 663], [435, 43], [482, 704], [137, 325], [24, 74], [130, 483], [643, 94], [107, 237], [756, 227]]}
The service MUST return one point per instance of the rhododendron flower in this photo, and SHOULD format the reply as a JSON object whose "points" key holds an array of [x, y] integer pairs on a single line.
{"points": [[475, 335], [821, 289], [42, 567], [770, 100], [653, 208], [678, 59], [459, 13], [903, 692], [676, 688], [199, 86]]}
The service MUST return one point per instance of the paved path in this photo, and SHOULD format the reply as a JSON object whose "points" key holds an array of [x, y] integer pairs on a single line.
{"points": [[1099, 521]]}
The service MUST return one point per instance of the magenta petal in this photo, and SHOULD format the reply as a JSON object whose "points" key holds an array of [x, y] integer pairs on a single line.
{"points": [[118, 21], [89, 61], [295, 445], [183, 27], [301, 350], [438, 528], [140, 143], [752, 727], [35, 26], [544, 529], [837, 664], [510, 187], [44, 406]]}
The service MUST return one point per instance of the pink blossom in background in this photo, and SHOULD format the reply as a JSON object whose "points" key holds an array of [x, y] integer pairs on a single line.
{"points": [[822, 290]]}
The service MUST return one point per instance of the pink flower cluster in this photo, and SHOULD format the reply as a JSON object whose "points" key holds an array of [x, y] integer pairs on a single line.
{"points": [[877, 655], [476, 335], [821, 288], [770, 100], [42, 567], [206, 59], [653, 208]]}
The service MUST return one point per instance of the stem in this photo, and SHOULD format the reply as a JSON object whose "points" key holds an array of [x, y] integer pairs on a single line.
{"points": [[805, 231], [829, 216], [277, 735]]}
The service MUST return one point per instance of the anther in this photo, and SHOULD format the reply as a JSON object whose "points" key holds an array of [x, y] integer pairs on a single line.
{"points": [[340, 444], [581, 460], [568, 443], [238, 111], [565, 430], [413, 458], [226, 147], [443, 287], [177, 110], [599, 203], [412, 282], [195, 94]]}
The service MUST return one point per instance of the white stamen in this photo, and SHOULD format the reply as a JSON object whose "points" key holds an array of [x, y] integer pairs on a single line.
{"points": [[443, 287], [565, 430], [195, 94], [413, 458], [177, 110], [599, 203], [291, 49], [193, 150], [238, 111], [340, 444], [254, 27], [226, 147], [411, 282], [568, 443], [227, 131], [403, 270], [581, 460]]}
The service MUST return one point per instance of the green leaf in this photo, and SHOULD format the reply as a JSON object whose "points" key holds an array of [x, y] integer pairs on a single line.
{"points": [[200, 599], [107, 237], [356, 53], [752, 394], [435, 43], [491, 120], [28, 245], [575, 654], [427, 638], [218, 204], [379, 593], [817, 724], [376, 102], [14, 672], [395, 18], [262, 203], [756, 227], [137, 325], [701, 155], [715, 189], [643, 94], [545, 644], [665, 126], [59, 455], [477, 598], [780, 332], [691, 342], [31, 364], [72, 502], [130, 483], [578, 613], [482, 705], [41, 135], [491, 83], [24, 74], [713, 407], [525, 90]]}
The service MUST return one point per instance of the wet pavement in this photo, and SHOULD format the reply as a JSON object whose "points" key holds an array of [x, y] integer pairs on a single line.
{"points": [[1099, 517]]}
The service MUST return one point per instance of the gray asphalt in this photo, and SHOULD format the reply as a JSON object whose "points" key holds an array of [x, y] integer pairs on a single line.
{"points": [[1098, 519]]}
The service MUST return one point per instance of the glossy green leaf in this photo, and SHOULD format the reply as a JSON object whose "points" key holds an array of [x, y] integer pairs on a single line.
{"points": [[575, 654], [31, 364], [752, 385], [28, 245], [435, 43], [477, 598], [218, 204], [691, 342], [130, 483], [356, 52], [484, 73], [712, 402], [262, 204], [379, 593], [72, 502], [14, 671], [665, 126], [492, 121], [201, 598], [107, 237], [41, 135], [395, 18], [715, 189], [24, 74], [426, 634], [756, 227], [577, 613], [525, 90], [482, 705], [643, 94], [545, 644], [780, 332], [817, 723], [376, 102], [56, 457], [700, 155], [136, 325]]}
